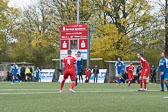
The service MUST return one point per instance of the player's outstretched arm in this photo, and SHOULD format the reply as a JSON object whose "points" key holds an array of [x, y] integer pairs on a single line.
{"points": [[75, 67]]}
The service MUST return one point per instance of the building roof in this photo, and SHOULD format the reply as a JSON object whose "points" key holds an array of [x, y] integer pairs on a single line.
{"points": [[18, 63], [137, 62]]}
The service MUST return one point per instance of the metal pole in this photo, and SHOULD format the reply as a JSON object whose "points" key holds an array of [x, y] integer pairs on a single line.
{"points": [[78, 5], [88, 54]]}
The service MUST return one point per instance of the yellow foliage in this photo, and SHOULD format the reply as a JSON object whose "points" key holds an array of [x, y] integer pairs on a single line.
{"points": [[112, 44]]}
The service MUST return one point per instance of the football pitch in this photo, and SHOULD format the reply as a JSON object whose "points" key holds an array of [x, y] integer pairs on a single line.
{"points": [[44, 97]]}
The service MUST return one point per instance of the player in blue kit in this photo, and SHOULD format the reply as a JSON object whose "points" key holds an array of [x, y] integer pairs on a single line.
{"points": [[163, 68], [119, 65], [79, 67], [15, 74]]}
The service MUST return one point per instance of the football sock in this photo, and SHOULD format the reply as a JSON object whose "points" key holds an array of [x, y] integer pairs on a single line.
{"points": [[76, 82], [119, 81], [62, 84], [167, 85], [140, 81], [13, 80], [72, 85], [130, 83], [162, 86], [145, 84], [18, 80], [123, 79]]}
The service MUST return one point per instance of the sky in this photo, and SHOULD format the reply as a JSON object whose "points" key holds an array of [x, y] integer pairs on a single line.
{"points": [[22, 4]]}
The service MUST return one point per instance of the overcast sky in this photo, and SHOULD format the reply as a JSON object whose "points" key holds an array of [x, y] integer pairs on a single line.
{"points": [[24, 3], [21, 3]]}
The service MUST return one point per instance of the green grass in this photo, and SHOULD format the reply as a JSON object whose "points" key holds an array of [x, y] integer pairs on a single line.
{"points": [[44, 97]]}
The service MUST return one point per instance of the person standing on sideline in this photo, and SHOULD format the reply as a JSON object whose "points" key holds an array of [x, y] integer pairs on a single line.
{"points": [[138, 71], [163, 68], [79, 67], [87, 72], [95, 72], [153, 74], [31, 73], [119, 65], [22, 72], [15, 74], [38, 74], [144, 72], [28, 74], [69, 69], [130, 70]]}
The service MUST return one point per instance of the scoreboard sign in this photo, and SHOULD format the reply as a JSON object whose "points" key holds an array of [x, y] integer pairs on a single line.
{"points": [[74, 37]]}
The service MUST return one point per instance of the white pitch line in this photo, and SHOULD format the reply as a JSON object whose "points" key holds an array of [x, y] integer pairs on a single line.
{"points": [[27, 89], [100, 91], [76, 89], [25, 93], [165, 97]]}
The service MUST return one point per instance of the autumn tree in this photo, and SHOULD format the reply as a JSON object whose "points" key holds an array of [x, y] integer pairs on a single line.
{"points": [[130, 18]]}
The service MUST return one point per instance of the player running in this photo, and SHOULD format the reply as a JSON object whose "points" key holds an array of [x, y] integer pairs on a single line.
{"points": [[130, 71], [69, 67], [15, 74], [144, 72], [163, 68], [119, 65]]}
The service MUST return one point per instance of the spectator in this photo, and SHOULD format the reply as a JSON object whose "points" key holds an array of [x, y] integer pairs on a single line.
{"points": [[153, 74], [22, 73], [87, 72], [28, 74], [9, 76], [138, 71], [96, 72], [31, 74], [38, 74]]}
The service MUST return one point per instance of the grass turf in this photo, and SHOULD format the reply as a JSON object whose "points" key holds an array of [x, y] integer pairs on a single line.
{"points": [[44, 97]]}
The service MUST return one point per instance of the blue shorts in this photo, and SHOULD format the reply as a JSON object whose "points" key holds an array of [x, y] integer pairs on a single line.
{"points": [[15, 75], [165, 76], [79, 70], [120, 73]]}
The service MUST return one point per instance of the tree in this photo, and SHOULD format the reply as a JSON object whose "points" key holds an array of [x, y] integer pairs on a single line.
{"points": [[131, 19], [106, 46], [3, 25]]}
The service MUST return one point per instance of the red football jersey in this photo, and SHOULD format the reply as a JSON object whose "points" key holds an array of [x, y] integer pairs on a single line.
{"points": [[144, 64], [130, 69], [69, 62]]}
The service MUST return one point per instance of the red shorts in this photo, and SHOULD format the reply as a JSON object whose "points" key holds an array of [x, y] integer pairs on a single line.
{"points": [[71, 74], [130, 77], [143, 73], [87, 75]]}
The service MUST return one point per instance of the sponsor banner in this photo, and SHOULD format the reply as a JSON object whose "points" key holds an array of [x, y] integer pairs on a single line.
{"points": [[101, 76], [46, 75]]}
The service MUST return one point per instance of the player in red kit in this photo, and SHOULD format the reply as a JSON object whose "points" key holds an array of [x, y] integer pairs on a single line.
{"points": [[69, 67], [144, 72], [87, 72], [130, 71]]}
